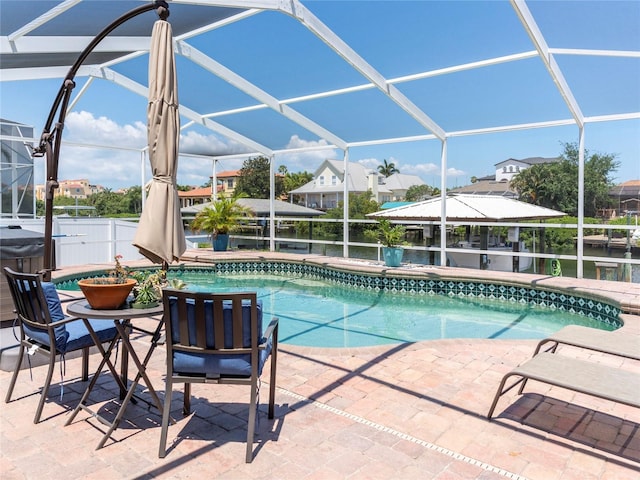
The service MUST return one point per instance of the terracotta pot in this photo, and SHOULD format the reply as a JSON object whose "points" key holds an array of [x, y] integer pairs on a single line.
{"points": [[106, 296]]}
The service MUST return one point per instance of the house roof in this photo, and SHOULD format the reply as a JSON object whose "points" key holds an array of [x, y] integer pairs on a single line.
{"points": [[358, 181], [228, 173], [261, 208], [627, 189], [195, 192], [476, 208], [530, 160], [487, 187], [401, 181]]}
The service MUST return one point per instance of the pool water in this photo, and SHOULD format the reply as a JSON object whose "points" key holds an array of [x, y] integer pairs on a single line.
{"points": [[316, 313]]}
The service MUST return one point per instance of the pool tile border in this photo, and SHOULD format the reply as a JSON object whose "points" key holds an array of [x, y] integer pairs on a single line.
{"points": [[417, 285]]}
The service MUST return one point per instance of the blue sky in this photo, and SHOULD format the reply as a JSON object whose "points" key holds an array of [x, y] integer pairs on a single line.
{"points": [[281, 57]]}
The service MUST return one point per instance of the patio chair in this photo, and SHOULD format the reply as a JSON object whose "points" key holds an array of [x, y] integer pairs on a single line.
{"points": [[45, 329], [217, 338]]}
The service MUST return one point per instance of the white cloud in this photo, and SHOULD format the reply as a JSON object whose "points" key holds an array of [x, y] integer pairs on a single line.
{"points": [[120, 166], [116, 163], [370, 163], [423, 170], [83, 127], [309, 160], [454, 172], [210, 145]]}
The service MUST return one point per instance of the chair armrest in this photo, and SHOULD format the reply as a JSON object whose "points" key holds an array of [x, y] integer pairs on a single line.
{"points": [[271, 327], [65, 320]]}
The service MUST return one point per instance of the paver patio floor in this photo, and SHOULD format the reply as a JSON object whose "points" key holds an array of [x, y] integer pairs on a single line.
{"points": [[404, 411]]}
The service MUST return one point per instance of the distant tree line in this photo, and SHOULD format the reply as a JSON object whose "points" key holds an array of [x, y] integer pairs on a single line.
{"points": [[551, 185]]}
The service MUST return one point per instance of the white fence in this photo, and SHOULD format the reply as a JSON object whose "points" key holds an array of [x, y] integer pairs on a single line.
{"points": [[80, 241]]}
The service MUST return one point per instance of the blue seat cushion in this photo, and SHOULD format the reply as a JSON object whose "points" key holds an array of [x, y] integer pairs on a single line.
{"points": [[70, 336], [219, 365], [79, 335], [213, 365]]}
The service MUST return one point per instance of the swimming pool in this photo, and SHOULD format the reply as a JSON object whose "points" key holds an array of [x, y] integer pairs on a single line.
{"points": [[318, 312]]}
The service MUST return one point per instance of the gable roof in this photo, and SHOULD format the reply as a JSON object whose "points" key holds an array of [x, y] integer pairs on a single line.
{"points": [[357, 180], [195, 192], [530, 160], [488, 187], [401, 181]]}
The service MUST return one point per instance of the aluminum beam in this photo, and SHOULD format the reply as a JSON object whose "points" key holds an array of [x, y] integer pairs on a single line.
{"points": [[540, 43], [196, 117], [304, 16], [206, 62]]}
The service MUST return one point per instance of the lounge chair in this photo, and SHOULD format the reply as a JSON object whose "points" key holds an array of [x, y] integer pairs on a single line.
{"points": [[603, 381], [613, 343]]}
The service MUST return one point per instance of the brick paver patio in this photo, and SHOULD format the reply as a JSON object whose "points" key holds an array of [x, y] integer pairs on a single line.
{"points": [[404, 411]]}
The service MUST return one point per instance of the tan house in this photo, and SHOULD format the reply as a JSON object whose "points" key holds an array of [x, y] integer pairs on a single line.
{"points": [[227, 182], [71, 188]]}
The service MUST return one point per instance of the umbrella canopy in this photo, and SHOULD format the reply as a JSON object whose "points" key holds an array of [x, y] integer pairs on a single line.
{"points": [[475, 208], [160, 235]]}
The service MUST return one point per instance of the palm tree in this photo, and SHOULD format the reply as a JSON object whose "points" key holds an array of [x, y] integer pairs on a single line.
{"points": [[387, 168], [221, 217]]}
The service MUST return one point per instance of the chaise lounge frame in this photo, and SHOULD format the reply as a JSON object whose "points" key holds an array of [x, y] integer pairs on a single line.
{"points": [[598, 380]]}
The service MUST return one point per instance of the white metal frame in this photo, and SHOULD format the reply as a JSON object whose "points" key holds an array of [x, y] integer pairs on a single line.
{"points": [[21, 41]]}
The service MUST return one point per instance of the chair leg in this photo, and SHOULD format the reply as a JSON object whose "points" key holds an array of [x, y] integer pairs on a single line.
{"points": [[186, 408], [166, 414], [14, 377], [251, 426], [45, 387], [272, 387]]}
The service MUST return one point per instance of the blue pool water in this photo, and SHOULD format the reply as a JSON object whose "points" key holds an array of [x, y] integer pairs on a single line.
{"points": [[320, 314], [316, 313]]}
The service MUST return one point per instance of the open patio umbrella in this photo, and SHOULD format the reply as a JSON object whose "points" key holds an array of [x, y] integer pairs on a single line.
{"points": [[160, 234]]}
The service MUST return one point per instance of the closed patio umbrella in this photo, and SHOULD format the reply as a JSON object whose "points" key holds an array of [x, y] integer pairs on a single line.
{"points": [[160, 234]]}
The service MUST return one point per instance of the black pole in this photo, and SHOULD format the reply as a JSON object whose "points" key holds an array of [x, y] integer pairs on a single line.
{"points": [[50, 140]]}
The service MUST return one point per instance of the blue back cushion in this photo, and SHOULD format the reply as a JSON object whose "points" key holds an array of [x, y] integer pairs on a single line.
{"points": [[228, 322], [53, 302], [56, 314]]}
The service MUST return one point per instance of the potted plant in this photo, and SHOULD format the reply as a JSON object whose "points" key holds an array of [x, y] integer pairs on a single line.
{"points": [[111, 292], [392, 237], [219, 219], [148, 290]]}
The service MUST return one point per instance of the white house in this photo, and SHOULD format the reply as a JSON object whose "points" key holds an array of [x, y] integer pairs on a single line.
{"points": [[500, 183], [327, 187], [507, 169]]}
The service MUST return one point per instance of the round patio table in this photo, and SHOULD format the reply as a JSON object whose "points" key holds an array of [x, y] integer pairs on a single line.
{"points": [[121, 318]]}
